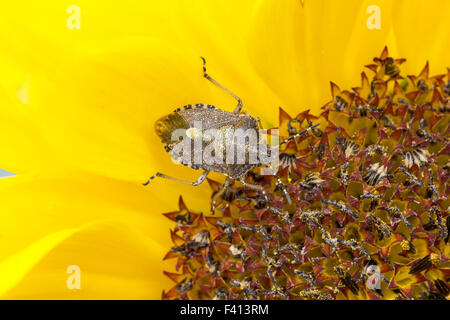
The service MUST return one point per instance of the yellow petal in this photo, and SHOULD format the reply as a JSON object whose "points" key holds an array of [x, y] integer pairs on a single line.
{"points": [[95, 93], [115, 262], [310, 45], [33, 208], [19, 264], [329, 40], [422, 33], [23, 149]]}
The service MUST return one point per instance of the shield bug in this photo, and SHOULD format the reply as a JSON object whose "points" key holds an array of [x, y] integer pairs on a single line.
{"points": [[232, 139]]}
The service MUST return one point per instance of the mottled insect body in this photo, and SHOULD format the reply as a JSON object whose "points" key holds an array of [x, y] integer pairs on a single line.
{"points": [[226, 124], [232, 140]]}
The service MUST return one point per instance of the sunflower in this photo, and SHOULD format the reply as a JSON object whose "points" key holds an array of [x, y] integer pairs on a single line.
{"points": [[78, 107]]}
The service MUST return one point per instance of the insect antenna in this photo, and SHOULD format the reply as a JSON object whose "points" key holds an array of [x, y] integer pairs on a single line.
{"points": [[164, 176], [207, 76]]}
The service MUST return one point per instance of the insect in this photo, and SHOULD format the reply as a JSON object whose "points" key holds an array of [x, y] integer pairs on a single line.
{"points": [[225, 123]]}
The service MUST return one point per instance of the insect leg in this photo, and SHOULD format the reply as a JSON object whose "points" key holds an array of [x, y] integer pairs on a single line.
{"points": [[207, 76], [195, 183], [218, 194], [301, 133], [255, 187], [283, 188]]}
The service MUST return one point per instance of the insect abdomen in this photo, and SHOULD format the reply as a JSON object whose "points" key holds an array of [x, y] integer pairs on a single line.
{"points": [[200, 119]]}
